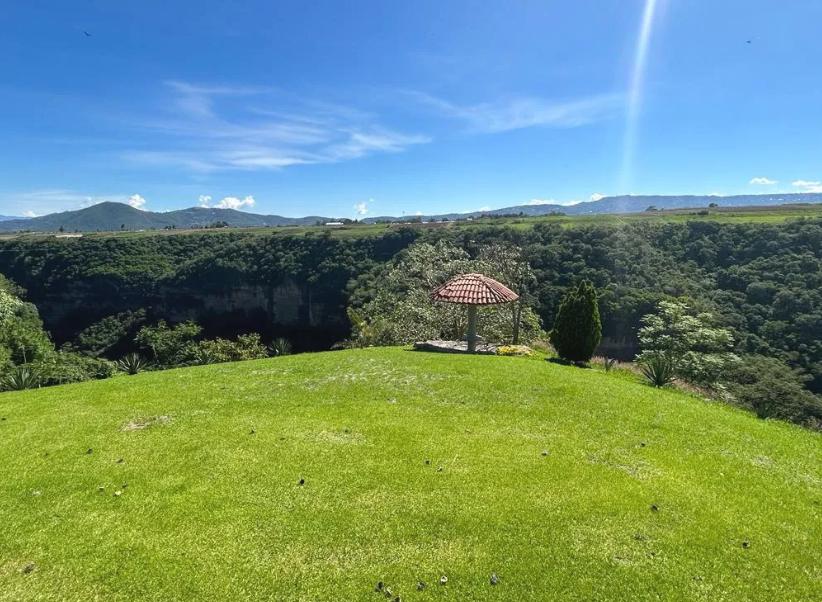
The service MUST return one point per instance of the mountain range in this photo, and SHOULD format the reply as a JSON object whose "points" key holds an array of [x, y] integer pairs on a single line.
{"points": [[110, 216], [631, 204]]}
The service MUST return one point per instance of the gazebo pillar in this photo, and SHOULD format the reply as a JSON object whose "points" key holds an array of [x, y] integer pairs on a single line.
{"points": [[472, 329]]}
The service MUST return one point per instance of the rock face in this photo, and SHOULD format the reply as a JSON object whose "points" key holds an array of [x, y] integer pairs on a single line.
{"points": [[288, 309]]}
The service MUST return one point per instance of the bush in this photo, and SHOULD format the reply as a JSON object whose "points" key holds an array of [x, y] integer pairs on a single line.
{"points": [[514, 350], [772, 390], [133, 363], [658, 370], [697, 349], [20, 378], [62, 367], [245, 347], [170, 346], [281, 346], [577, 327]]}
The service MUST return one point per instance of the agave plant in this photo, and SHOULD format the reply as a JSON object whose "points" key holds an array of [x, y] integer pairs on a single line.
{"points": [[658, 370], [281, 346], [132, 363], [20, 378]]}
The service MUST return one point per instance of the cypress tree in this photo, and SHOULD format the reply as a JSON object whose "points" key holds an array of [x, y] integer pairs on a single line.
{"points": [[577, 327]]}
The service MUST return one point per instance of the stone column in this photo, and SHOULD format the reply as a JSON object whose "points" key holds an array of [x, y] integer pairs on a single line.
{"points": [[472, 328]]}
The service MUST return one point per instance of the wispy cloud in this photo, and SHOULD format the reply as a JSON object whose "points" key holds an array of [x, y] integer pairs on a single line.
{"points": [[597, 196], [807, 185], [763, 181], [526, 112], [209, 128]]}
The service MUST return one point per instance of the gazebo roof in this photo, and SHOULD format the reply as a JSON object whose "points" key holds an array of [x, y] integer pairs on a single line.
{"points": [[473, 289]]}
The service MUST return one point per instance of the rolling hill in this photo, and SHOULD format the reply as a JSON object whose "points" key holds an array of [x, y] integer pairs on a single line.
{"points": [[630, 204], [316, 477], [111, 216]]}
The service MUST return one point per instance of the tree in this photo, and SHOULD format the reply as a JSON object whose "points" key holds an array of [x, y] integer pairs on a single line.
{"points": [[170, 346], [507, 264], [394, 305], [772, 390], [698, 350], [577, 327]]}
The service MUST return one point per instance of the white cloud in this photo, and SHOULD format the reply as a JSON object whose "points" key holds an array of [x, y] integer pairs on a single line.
{"points": [[551, 202], [29, 213], [525, 112], [203, 200], [136, 201], [597, 196], [258, 129], [232, 202], [808, 185], [483, 209], [362, 207], [50, 200], [763, 181]]}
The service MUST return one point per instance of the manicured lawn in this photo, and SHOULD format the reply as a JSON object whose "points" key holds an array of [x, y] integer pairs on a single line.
{"points": [[568, 484]]}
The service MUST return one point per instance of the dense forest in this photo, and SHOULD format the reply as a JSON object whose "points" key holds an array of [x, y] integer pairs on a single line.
{"points": [[764, 282]]}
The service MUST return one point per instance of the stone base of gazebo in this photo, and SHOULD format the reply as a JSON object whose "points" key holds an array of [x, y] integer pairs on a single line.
{"points": [[454, 347]]}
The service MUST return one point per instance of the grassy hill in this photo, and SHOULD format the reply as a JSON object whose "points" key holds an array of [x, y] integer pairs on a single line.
{"points": [[568, 484]]}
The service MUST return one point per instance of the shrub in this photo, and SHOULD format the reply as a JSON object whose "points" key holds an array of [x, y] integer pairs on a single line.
{"points": [[772, 390], [244, 347], [132, 363], [698, 350], [609, 363], [281, 346], [658, 370], [514, 350], [20, 378], [170, 346], [577, 327], [63, 367]]}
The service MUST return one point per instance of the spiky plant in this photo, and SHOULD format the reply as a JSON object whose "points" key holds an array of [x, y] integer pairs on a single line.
{"points": [[281, 346], [20, 378], [609, 363], [133, 363], [658, 370]]}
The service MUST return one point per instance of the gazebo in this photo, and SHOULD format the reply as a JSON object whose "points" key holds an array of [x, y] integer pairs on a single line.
{"points": [[473, 290]]}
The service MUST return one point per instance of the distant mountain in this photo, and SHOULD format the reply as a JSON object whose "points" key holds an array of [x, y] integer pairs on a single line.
{"points": [[5, 218], [116, 216], [630, 204]]}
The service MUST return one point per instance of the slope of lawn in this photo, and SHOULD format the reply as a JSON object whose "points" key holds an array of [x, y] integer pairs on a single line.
{"points": [[568, 484]]}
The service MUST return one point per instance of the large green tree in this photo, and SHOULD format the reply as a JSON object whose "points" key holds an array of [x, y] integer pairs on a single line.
{"points": [[699, 350], [577, 327]]}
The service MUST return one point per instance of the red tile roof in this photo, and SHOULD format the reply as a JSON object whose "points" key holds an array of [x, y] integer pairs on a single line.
{"points": [[473, 289]]}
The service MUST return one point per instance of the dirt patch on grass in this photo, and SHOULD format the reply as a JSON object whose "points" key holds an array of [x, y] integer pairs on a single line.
{"points": [[139, 424]]}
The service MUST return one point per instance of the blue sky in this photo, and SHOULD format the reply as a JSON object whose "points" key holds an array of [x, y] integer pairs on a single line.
{"points": [[375, 108]]}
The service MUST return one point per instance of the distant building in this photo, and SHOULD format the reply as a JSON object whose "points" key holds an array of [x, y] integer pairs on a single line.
{"points": [[334, 224]]}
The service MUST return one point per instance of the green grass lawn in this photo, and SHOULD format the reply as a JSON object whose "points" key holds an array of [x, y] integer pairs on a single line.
{"points": [[568, 484]]}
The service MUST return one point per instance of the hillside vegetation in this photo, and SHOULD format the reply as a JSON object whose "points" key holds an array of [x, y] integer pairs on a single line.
{"points": [[315, 477]]}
